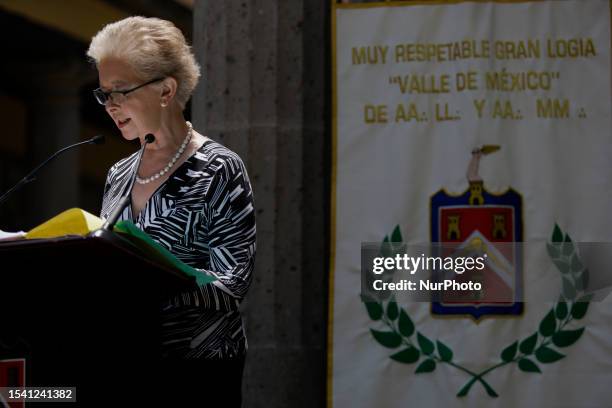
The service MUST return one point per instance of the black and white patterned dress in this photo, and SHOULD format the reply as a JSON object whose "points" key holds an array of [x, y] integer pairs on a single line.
{"points": [[203, 213]]}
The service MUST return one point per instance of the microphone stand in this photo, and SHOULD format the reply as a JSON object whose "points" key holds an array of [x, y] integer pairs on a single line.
{"points": [[125, 200], [99, 139]]}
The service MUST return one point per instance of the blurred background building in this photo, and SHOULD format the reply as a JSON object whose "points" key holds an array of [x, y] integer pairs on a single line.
{"points": [[263, 93]]}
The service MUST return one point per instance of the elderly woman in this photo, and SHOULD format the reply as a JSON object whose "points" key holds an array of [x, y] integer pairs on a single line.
{"points": [[192, 195]]}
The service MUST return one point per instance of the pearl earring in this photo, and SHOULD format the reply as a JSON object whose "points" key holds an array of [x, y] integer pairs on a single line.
{"points": [[164, 104]]}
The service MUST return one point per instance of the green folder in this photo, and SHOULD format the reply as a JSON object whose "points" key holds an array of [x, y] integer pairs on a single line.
{"points": [[159, 253]]}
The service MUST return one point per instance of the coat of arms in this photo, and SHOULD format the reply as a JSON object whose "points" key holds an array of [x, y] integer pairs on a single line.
{"points": [[492, 224]]}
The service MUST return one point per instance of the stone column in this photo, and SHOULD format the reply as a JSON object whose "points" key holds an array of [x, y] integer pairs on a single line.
{"points": [[53, 122], [263, 95]]}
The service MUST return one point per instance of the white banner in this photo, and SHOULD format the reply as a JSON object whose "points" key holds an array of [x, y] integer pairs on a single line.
{"points": [[458, 118]]}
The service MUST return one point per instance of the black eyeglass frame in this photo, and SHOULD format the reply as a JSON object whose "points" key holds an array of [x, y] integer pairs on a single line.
{"points": [[103, 97]]}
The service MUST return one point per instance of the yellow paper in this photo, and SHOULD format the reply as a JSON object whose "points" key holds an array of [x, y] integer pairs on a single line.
{"points": [[71, 222]]}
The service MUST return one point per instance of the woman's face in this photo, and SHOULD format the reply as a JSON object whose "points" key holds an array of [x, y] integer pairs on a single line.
{"points": [[138, 113]]}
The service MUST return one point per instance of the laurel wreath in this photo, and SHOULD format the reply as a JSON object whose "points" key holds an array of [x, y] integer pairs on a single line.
{"points": [[540, 347]]}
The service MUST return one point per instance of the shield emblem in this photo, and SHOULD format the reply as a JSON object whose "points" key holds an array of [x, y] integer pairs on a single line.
{"points": [[494, 223], [12, 374]]}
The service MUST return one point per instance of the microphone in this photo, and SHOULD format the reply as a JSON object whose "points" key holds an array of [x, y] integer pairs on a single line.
{"points": [[98, 139], [127, 198]]}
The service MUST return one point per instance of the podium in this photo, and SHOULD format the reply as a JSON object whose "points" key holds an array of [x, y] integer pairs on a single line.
{"points": [[83, 311]]}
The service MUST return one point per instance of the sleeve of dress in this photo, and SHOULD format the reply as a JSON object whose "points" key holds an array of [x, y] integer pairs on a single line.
{"points": [[230, 218]]}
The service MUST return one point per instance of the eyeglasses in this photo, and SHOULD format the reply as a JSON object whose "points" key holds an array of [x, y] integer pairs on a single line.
{"points": [[118, 97]]}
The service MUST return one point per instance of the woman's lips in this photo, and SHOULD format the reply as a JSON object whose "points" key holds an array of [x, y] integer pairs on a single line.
{"points": [[122, 123]]}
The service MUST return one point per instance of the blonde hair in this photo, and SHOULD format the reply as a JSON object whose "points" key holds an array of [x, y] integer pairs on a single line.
{"points": [[153, 48]]}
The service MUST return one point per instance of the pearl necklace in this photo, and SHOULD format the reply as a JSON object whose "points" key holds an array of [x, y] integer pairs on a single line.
{"points": [[172, 161]]}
